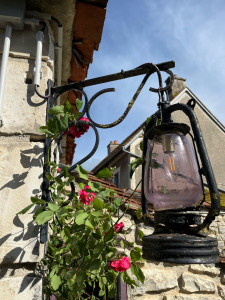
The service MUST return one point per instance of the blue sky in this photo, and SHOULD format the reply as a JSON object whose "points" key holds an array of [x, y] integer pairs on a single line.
{"points": [[190, 32]]}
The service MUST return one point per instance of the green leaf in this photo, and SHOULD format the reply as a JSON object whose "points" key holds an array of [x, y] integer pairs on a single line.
{"points": [[126, 278], [68, 108], [104, 173], [53, 206], [97, 213], [95, 266], [57, 110], [135, 255], [80, 219], [134, 164], [139, 213], [44, 217], [23, 211], [66, 173], [82, 173], [112, 290], [37, 200], [88, 224], [109, 235], [140, 233], [81, 277], [101, 293], [148, 120], [79, 104], [53, 125], [49, 176], [95, 186], [81, 185], [137, 272], [65, 235], [98, 204], [117, 202], [44, 129], [122, 244], [64, 122], [98, 250], [69, 275], [38, 211], [158, 122], [55, 282]]}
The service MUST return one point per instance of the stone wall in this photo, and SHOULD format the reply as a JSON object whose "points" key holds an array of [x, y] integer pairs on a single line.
{"points": [[21, 165], [166, 281]]}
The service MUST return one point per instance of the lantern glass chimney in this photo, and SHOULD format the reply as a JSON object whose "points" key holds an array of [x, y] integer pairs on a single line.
{"points": [[172, 179]]}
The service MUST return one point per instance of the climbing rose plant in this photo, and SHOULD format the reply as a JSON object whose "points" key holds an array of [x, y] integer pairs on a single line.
{"points": [[84, 256]]}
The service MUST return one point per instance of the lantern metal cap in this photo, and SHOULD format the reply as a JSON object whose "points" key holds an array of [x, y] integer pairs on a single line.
{"points": [[167, 128]]}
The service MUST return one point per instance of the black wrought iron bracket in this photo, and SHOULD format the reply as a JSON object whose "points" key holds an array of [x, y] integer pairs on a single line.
{"points": [[53, 92]]}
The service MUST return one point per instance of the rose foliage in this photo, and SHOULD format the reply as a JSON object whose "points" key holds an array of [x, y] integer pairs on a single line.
{"points": [[82, 259]]}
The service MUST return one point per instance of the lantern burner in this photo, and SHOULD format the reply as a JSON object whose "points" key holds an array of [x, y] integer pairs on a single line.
{"points": [[180, 248], [176, 240]]}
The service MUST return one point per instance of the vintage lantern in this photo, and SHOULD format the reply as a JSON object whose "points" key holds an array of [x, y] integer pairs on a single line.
{"points": [[173, 186]]}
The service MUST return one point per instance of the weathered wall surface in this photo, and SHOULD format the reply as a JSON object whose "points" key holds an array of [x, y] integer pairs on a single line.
{"points": [[166, 281], [21, 165]]}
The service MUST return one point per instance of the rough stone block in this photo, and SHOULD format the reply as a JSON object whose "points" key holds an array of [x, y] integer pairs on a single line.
{"points": [[221, 291], [190, 297], [156, 280], [205, 269], [20, 178], [146, 297], [25, 287], [196, 283], [23, 112], [222, 229]]}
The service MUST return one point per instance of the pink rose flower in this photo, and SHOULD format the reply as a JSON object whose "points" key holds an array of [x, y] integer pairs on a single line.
{"points": [[120, 265], [119, 226], [78, 130], [86, 197]]}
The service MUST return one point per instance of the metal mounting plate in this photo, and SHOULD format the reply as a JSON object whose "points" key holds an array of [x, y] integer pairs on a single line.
{"points": [[12, 11]]}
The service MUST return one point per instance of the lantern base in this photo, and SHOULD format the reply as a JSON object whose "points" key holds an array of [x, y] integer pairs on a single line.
{"points": [[180, 248]]}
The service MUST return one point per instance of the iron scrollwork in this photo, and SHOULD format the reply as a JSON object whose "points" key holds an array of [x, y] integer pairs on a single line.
{"points": [[53, 92]]}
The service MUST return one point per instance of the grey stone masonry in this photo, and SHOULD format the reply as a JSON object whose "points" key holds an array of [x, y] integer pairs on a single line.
{"points": [[166, 281], [21, 165]]}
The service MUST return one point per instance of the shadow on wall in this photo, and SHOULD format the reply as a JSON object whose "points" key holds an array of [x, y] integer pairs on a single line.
{"points": [[28, 158], [27, 237]]}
